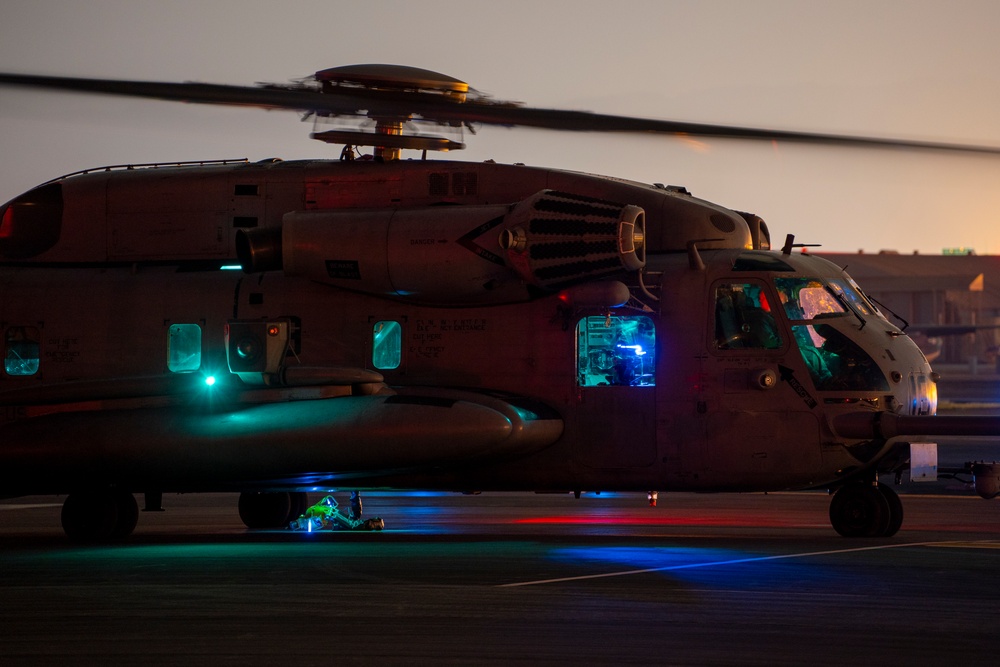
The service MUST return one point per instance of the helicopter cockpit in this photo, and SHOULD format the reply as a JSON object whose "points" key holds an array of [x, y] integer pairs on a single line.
{"points": [[835, 362]]}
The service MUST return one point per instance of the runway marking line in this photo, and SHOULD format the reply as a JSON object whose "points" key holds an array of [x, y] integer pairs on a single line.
{"points": [[740, 561], [28, 506], [976, 544]]}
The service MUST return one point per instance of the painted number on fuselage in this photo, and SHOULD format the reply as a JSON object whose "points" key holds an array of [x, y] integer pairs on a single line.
{"points": [[62, 350], [427, 337]]}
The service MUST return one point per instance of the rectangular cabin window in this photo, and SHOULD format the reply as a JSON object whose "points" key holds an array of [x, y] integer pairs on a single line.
{"points": [[246, 190], [387, 345], [21, 351], [616, 351], [184, 348]]}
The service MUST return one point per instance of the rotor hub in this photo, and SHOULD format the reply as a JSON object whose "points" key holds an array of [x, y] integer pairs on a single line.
{"points": [[389, 133]]}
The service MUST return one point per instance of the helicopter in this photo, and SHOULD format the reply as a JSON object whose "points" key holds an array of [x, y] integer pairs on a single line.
{"points": [[278, 327]]}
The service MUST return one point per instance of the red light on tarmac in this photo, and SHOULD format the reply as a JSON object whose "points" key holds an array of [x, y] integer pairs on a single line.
{"points": [[644, 518]]}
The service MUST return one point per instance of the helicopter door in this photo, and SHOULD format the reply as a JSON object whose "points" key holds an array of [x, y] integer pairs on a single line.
{"points": [[616, 379], [759, 429]]}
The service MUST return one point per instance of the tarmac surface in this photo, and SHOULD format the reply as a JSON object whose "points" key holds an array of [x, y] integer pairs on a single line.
{"points": [[747, 579]]}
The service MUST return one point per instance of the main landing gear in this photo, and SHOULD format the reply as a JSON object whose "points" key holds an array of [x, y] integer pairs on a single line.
{"points": [[98, 516], [866, 509]]}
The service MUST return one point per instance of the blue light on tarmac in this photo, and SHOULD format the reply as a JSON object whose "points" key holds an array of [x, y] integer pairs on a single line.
{"points": [[210, 380], [709, 567]]}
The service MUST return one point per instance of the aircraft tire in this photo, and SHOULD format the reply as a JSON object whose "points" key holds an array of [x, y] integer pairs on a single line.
{"points": [[128, 514], [265, 510], [89, 516], [860, 510], [895, 510]]}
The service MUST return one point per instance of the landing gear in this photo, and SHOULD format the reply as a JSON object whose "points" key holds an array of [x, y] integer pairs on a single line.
{"points": [[866, 510], [356, 508], [271, 510], [97, 516], [895, 510]]}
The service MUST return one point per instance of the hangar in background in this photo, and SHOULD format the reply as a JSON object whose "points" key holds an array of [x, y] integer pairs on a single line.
{"points": [[951, 301]]}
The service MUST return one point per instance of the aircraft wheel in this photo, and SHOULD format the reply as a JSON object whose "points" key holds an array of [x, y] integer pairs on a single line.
{"points": [[895, 510], [265, 510], [128, 514], [860, 510], [89, 517]]}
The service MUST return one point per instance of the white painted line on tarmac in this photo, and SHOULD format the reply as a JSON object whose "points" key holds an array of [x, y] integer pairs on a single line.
{"points": [[720, 563], [29, 507], [975, 544]]}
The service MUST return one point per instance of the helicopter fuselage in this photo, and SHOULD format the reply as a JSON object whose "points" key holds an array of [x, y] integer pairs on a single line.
{"points": [[629, 336]]}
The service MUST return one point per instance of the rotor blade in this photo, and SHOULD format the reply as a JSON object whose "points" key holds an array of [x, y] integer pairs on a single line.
{"points": [[432, 107], [197, 93]]}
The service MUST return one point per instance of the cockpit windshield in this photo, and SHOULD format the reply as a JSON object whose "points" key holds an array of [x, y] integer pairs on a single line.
{"points": [[808, 298], [849, 290], [812, 298], [835, 362]]}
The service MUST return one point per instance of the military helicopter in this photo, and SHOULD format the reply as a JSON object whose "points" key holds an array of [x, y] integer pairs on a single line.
{"points": [[277, 327]]}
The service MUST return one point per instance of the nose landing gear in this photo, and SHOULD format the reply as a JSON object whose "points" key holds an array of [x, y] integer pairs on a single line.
{"points": [[866, 510]]}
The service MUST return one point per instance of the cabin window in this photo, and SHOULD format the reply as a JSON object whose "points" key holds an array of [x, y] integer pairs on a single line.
{"points": [[387, 345], [184, 348], [743, 318], [616, 351], [21, 347]]}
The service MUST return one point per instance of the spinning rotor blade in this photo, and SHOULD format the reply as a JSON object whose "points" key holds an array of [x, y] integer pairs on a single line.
{"points": [[348, 100], [196, 93]]}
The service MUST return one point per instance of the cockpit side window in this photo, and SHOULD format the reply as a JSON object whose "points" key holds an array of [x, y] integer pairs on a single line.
{"points": [[743, 318]]}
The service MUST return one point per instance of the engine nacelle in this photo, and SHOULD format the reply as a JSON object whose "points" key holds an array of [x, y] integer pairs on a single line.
{"points": [[439, 255], [455, 255], [554, 239]]}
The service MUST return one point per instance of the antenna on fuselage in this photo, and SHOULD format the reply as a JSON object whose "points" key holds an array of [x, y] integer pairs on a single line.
{"points": [[790, 243], [694, 257]]}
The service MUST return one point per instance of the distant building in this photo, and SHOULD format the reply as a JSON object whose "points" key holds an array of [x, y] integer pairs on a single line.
{"points": [[951, 301]]}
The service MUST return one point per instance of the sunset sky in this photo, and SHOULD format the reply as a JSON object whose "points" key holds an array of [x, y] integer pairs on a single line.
{"points": [[917, 69]]}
